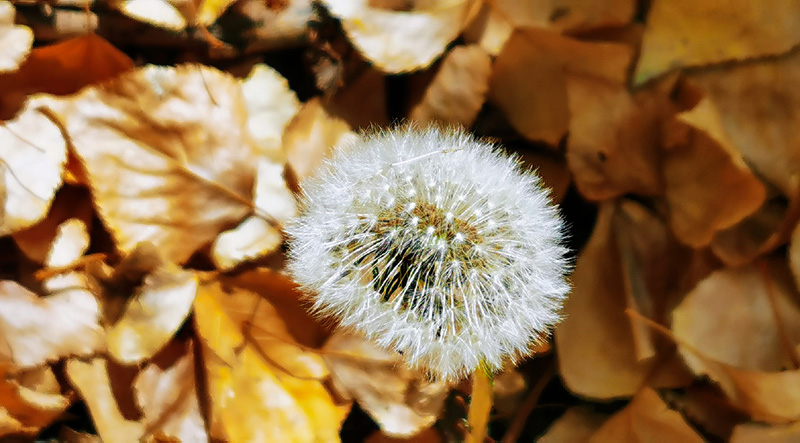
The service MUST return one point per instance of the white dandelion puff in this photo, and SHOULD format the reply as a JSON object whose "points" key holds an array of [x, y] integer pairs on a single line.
{"points": [[433, 244]]}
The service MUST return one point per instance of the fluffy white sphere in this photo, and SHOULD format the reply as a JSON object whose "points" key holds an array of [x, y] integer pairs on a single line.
{"points": [[433, 244]]}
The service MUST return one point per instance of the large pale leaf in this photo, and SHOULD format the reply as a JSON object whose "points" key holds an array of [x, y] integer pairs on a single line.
{"points": [[167, 153]]}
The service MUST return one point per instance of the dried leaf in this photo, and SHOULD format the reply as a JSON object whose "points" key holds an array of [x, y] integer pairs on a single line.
{"points": [[708, 185], [576, 425], [167, 153], [256, 237], [529, 85], [596, 343], [252, 398], [159, 13], [270, 106], [759, 433], [311, 137], [95, 381], [746, 334], [402, 41], [62, 69], [32, 157], [70, 202], [458, 90], [400, 400], [683, 33], [153, 315], [646, 418], [756, 103], [45, 329], [166, 392], [613, 147], [29, 401], [15, 40]]}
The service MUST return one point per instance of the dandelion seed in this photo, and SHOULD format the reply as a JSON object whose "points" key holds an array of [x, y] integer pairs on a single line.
{"points": [[464, 268]]}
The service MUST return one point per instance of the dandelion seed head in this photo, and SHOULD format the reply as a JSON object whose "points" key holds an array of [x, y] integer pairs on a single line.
{"points": [[433, 244]]}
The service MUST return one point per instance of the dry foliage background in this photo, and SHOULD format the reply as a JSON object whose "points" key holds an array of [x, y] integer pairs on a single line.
{"points": [[140, 209]]}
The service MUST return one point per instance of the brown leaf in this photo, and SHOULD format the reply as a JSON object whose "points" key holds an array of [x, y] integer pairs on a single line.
{"points": [[646, 418], [529, 85], [576, 425], [613, 147], [690, 33], [311, 137], [759, 433], [400, 400], [61, 69], [708, 185], [29, 401], [746, 334], [756, 102], [32, 154], [623, 265], [153, 315], [256, 393], [458, 90], [402, 41], [168, 155], [15, 40]]}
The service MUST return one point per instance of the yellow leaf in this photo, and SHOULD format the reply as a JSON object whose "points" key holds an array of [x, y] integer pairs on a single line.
{"points": [[251, 398], [683, 33], [29, 401], [271, 105]]}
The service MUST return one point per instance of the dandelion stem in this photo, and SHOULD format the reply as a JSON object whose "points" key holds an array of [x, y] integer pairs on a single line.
{"points": [[480, 405]]}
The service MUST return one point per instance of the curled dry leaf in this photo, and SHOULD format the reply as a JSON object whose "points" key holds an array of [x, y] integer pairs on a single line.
{"points": [[256, 237], [15, 40], [270, 107], [166, 392], [759, 325], [32, 157], [167, 154], [613, 147], [29, 401], [400, 400], [646, 418], [597, 345], [402, 41], [690, 33], [528, 80], [257, 393], [576, 425], [311, 137], [458, 90], [756, 102], [153, 315], [101, 386]]}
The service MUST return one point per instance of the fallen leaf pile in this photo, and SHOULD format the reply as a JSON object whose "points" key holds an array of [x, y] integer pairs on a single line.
{"points": [[146, 172]]}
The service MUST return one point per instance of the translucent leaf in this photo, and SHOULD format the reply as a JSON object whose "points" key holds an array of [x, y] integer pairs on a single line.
{"points": [[15, 40]]}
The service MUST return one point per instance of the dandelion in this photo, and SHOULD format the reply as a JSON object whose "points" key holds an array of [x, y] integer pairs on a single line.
{"points": [[435, 245]]}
